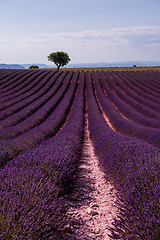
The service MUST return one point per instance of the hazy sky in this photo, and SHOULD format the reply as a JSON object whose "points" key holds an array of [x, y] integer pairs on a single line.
{"points": [[88, 30]]}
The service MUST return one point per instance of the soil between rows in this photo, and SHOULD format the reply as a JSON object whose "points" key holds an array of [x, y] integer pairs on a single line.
{"points": [[91, 207]]}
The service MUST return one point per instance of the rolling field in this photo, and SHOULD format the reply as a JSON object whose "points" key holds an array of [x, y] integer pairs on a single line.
{"points": [[41, 139], [142, 68]]}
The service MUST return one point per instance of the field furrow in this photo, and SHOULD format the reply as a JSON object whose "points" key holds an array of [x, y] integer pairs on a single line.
{"points": [[15, 82], [26, 89], [57, 160], [49, 127], [36, 105], [121, 124], [128, 107], [42, 113], [140, 86], [43, 131], [10, 76], [130, 164], [144, 82], [119, 85], [24, 99], [148, 79]]}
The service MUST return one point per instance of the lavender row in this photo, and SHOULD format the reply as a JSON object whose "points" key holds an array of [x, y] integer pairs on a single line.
{"points": [[146, 83], [133, 91], [122, 125], [140, 86], [71, 138], [132, 166], [14, 82], [40, 114], [124, 108], [9, 76], [32, 109], [48, 128], [32, 186], [27, 79], [122, 90], [27, 87], [28, 94], [35, 85], [6, 75], [153, 75], [16, 104], [149, 78]]}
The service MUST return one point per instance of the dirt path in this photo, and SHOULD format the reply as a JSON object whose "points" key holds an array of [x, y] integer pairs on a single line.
{"points": [[91, 206]]}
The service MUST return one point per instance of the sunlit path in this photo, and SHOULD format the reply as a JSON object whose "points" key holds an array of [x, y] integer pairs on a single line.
{"points": [[91, 206]]}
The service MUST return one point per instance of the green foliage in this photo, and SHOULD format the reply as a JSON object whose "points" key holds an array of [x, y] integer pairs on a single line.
{"points": [[59, 58], [33, 67], [134, 65]]}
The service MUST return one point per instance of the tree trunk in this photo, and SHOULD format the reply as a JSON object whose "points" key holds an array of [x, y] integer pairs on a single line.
{"points": [[58, 66]]}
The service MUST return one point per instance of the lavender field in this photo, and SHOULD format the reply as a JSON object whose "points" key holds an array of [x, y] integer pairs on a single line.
{"points": [[41, 139]]}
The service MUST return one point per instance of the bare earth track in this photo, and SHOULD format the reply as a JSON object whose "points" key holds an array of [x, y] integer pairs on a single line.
{"points": [[91, 207]]}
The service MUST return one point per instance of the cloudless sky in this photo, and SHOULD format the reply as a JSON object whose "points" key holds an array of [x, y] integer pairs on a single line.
{"points": [[88, 30]]}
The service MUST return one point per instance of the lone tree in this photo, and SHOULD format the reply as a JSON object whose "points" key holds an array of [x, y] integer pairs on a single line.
{"points": [[59, 58]]}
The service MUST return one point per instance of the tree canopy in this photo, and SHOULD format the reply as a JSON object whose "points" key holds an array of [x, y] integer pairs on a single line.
{"points": [[59, 58], [33, 66]]}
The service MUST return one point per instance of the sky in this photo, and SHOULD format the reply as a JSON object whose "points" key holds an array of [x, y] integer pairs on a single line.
{"points": [[89, 31]]}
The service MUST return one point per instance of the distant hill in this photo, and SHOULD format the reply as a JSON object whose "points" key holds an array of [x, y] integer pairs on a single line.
{"points": [[85, 65], [115, 64], [11, 66], [99, 64], [40, 65]]}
